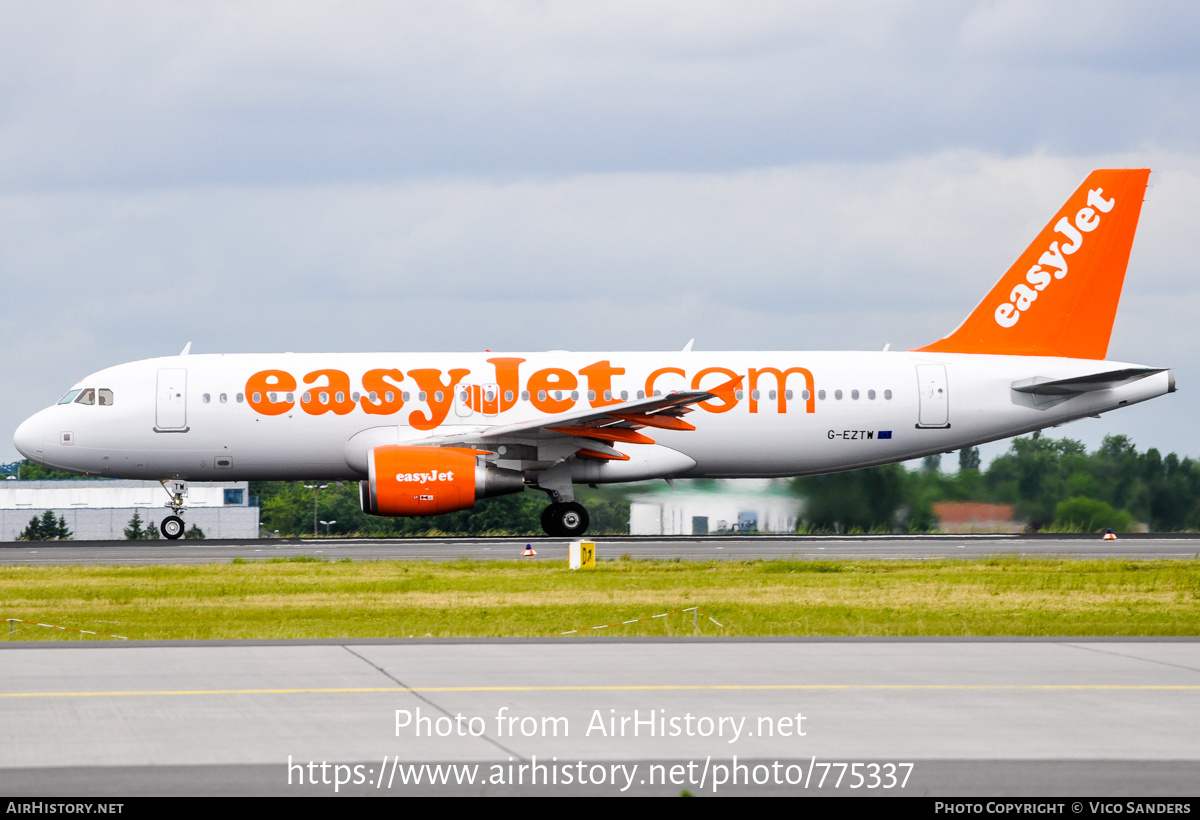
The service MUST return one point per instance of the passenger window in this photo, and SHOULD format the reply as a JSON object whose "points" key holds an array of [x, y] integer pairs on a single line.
{"points": [[871, 394], [240, 398], [837, 394], [524, 395], [624, 395], [206, 398], [224, 398], [854, 395], [887, 394], [508, 396], [821, 395], [87, 396], [106, 397]]}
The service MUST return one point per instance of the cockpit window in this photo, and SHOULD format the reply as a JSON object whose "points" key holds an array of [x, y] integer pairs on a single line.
{"points": [[106, 397], [70, 397], [87, 396]]}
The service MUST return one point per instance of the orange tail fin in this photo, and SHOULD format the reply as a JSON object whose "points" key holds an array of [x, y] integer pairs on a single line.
{"points": [[1060, 298]]}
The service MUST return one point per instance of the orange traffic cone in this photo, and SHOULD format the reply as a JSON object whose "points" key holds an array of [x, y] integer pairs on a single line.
{"points": [[1110, 535], [528, 553]]}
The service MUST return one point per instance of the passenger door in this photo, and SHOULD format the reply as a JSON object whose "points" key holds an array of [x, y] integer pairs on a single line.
{"points": [[171, 407], [935, 397]]}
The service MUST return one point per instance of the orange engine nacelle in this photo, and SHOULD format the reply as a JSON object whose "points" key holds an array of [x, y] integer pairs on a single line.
{"points": [[431, 480]]}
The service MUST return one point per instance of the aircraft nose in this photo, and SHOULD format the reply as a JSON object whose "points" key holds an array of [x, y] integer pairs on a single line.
{"points": [[28, 439]]}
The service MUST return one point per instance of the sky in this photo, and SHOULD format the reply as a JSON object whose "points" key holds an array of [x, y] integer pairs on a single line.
{"points": [[399, 176]]}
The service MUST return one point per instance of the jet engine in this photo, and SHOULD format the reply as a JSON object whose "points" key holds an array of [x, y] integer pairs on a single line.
{"points": [[431, 480]]}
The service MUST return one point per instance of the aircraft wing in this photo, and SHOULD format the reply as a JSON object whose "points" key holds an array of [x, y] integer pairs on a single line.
{"points": [[592, 431]]}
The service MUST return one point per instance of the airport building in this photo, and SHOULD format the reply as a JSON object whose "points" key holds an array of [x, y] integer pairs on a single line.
{"points": [[976, 517], [700, 508], [101, 509]]}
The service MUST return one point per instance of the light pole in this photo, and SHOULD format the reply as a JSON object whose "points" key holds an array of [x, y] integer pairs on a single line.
{"points": [[316, 488], [328, 524]]}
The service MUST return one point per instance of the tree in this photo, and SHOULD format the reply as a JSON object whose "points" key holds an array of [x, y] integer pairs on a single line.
{"points": [[134, 531], [33, 532], [968, 459], [46, 528], [31, 471], [870, 499], [1090, 515]]}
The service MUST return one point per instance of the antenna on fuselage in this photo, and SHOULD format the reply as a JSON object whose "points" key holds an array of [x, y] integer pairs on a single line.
{"points": [[687, 348], [187, 348]]}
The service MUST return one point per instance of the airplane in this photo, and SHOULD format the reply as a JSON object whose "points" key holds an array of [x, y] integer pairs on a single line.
{"points": [[429, 433]]}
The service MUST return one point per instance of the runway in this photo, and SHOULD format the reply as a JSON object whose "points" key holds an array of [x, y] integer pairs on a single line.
{"points": [[806, 717], [756, 547]]}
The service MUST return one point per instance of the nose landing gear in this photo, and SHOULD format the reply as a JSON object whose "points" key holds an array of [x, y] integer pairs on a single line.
{"points": [[172, 526], [565, 519]]}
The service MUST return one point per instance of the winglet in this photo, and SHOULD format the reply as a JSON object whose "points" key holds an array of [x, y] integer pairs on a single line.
{"points": [[727, 389], [1060, 298]]}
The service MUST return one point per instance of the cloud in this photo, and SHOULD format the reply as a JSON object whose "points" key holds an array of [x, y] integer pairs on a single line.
{"points": [[351, 176], [300, 93], [818, 256]]}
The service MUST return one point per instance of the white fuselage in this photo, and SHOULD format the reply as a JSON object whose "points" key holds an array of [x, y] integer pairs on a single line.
{"points": [[194, 417]]}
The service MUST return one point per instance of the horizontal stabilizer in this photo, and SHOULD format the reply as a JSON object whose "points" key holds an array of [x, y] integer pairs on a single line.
{"points": [[1042, 386]]}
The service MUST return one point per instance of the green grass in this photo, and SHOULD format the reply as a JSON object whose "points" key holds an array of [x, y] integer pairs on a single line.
{"points": [[313, 598]]}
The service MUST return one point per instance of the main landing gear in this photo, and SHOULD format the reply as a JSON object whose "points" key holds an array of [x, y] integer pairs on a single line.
{"points": [[567, 519], [172, 526]]}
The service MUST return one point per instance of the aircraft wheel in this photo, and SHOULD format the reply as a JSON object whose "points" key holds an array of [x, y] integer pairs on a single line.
{"points": [[171, 527], [573, 520], [550, 519]]}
